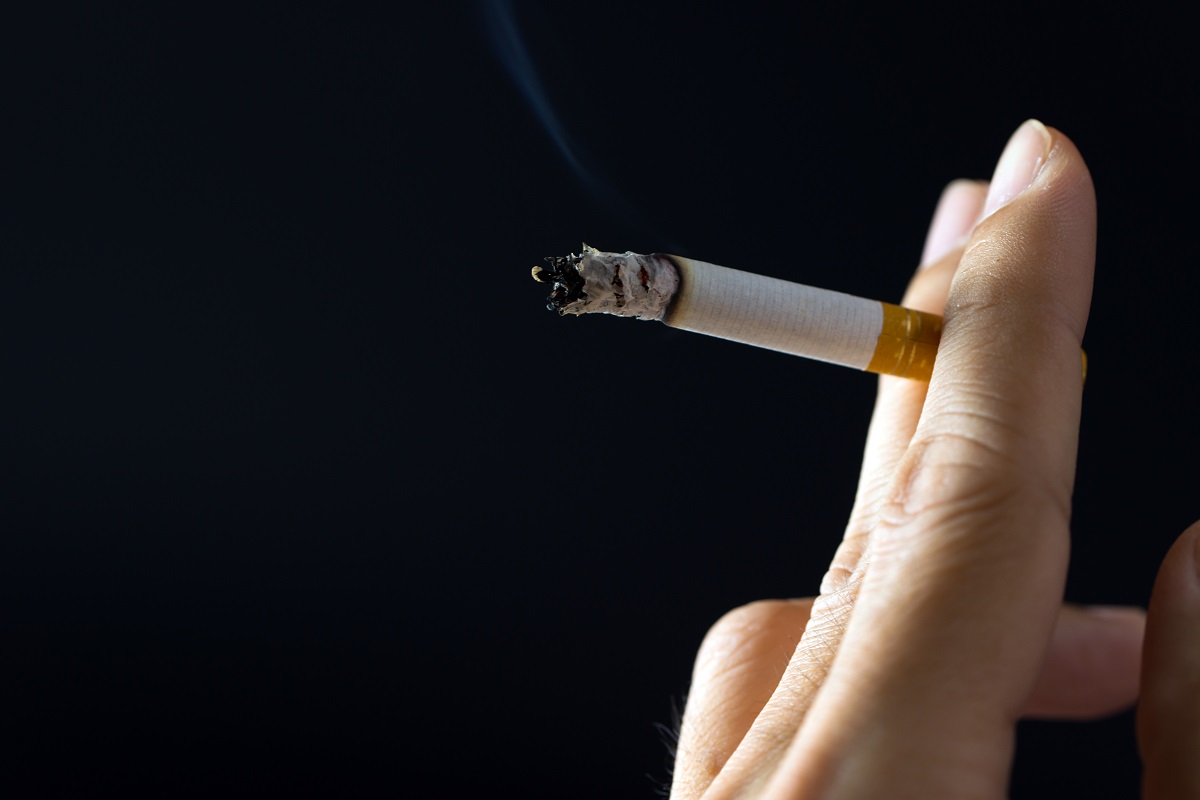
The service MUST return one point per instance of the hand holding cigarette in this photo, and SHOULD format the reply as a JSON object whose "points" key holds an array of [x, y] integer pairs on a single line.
{"points": [[940, 622]]}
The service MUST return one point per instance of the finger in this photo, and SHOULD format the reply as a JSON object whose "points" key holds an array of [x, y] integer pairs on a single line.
{"points": [[898, 402], [957, 211], [737, 668], [1169, 710], [967, 566], [896, 412], [1092, 666]]}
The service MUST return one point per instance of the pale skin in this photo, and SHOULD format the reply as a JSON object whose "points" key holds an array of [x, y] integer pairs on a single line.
{"points": [[941, 622]]}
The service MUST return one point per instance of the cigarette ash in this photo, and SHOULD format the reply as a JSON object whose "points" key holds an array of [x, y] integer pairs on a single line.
{"points": [[626, 284], [564, 274]]}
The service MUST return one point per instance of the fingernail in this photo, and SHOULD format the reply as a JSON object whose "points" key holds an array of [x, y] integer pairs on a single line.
{"points": [[956, 213], [1019, 165]]}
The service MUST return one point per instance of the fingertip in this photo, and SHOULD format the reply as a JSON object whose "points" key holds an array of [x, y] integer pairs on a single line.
{"points": [[1023, 159], [1093, 665], [1177, 584], [953, 221], [959, 206], [1008, 368], [1055, 207]]}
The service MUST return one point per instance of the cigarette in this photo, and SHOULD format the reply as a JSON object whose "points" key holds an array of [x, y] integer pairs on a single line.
{"points": [[744, 307]]}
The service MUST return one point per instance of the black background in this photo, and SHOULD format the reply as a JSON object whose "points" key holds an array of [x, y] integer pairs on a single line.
{"points": [[305, 492]]}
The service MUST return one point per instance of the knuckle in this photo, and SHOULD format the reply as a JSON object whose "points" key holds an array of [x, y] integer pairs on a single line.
{"points": [[738, 627], [836, 577], [745, 618], [960, 497], [849, 554], [973, 422], [953, 481]]}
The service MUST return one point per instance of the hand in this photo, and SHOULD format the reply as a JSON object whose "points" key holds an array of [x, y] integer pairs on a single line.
{"points": [[940, 621]]}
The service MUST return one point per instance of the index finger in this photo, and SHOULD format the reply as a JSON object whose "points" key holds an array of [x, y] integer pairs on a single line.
{"points": [[965, 570]]}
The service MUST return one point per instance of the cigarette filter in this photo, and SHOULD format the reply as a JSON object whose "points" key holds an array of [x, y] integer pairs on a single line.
{"points": [[744, 307]]}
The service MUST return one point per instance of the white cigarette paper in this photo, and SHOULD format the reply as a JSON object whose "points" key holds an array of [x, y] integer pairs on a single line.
{"points": [[744, 307]]}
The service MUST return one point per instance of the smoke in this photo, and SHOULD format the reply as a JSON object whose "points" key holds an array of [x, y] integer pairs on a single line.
{"points": [[501, 28]]}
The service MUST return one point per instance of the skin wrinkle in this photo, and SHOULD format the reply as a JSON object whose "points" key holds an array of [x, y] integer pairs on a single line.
{"points": [[832, 606], [960, 552], [811, 665], [962, 499], [738, 633], [957, 615], [1056, 488], [879, 462], [849, 554], [784, 713], [822, 636], [1012, 443], [838, 574], [828, 624], [901, 552], [706, 725], [776, 725], [944, 466], [965, 417]]}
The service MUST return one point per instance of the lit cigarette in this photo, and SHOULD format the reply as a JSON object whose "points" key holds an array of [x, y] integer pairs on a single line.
{"points": [[744, 307]]}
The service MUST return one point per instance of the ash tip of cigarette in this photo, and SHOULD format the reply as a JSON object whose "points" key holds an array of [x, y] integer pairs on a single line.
{"points": [[563, 273]]}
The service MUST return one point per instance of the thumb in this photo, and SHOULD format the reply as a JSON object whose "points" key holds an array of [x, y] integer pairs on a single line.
{"points": [[1168, 719]]}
